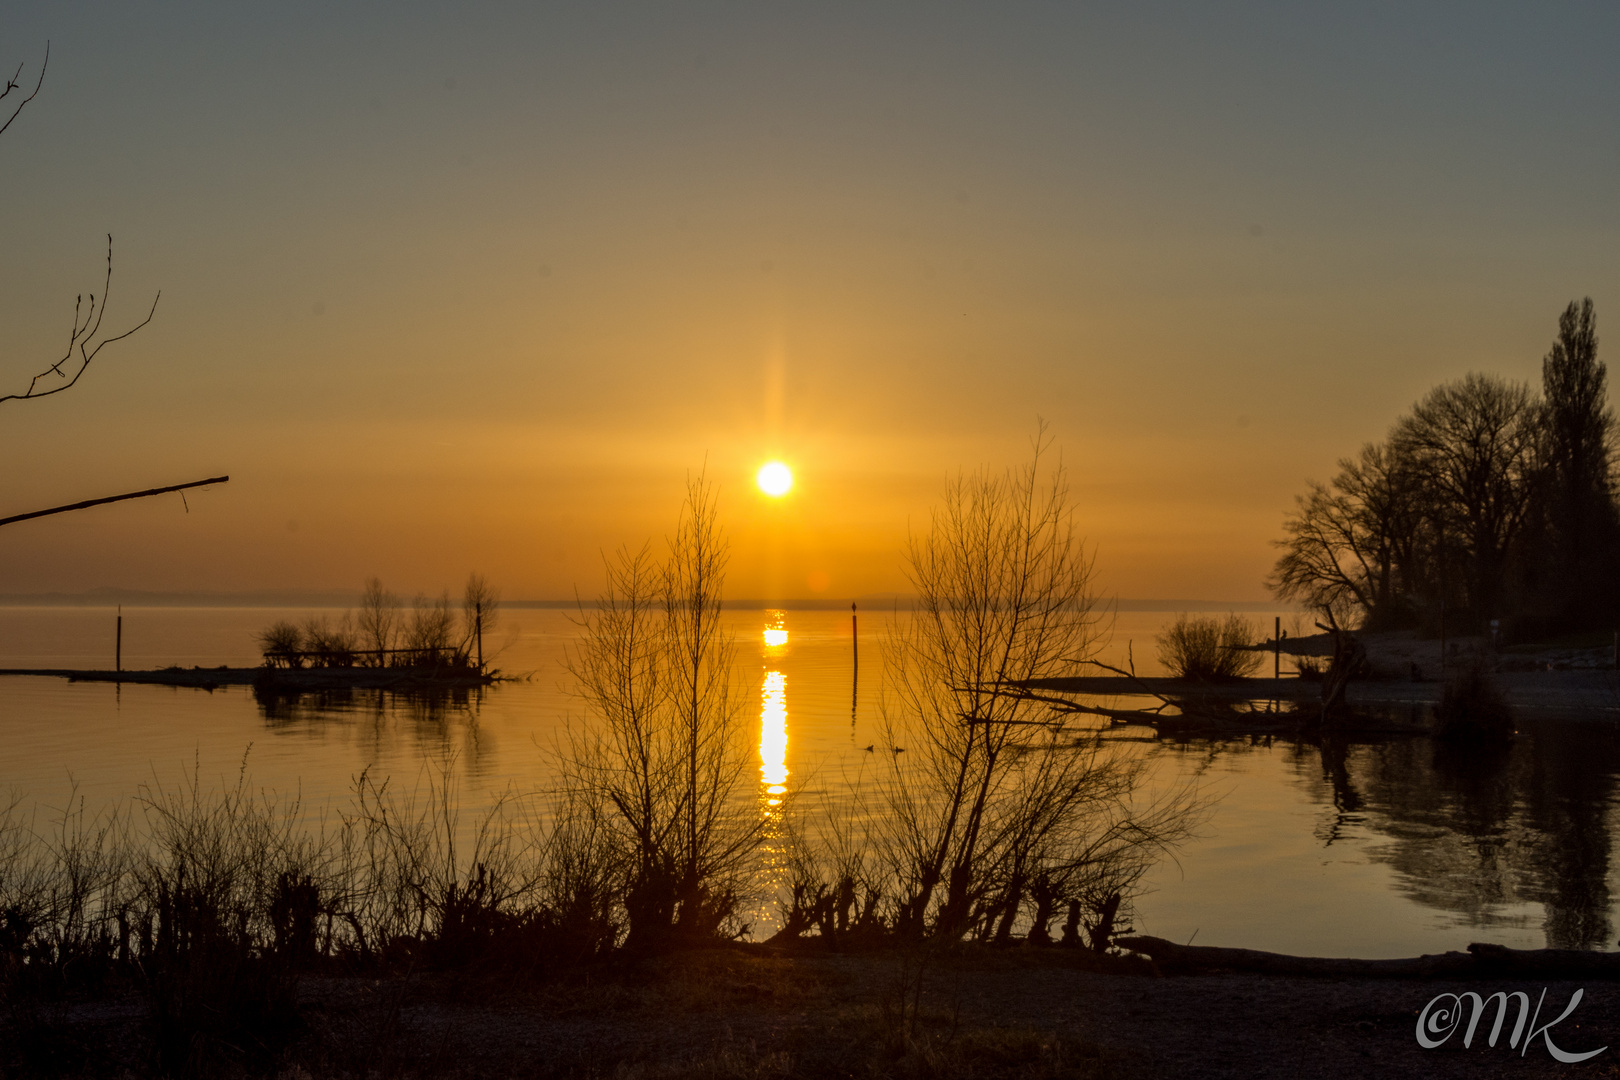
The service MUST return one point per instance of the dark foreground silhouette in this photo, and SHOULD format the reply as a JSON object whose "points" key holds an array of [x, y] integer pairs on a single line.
{"points": [[750, 1011]]}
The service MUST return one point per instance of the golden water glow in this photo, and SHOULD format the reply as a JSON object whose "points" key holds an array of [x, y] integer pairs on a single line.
{"points": [[774, 479], [773, 736], [776, 635]]}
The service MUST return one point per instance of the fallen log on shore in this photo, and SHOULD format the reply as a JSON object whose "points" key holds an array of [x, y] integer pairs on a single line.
{"points": [[1482, 960]]}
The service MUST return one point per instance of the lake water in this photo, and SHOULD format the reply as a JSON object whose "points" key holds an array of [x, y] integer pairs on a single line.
{"points": [[1326, 847]]}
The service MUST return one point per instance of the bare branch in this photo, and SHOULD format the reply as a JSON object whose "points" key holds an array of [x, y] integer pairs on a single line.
{"points": [[81, 340], [11, 84], [112, 498]]}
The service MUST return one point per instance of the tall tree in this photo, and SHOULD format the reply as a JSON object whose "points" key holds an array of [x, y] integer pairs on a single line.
{"points": [[1578, 433]]}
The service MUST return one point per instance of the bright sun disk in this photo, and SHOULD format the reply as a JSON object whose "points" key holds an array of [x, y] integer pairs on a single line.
{"points": [[774, 478]]}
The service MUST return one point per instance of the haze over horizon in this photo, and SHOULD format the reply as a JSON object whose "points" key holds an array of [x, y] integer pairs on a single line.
{"points": [[479, 288]]}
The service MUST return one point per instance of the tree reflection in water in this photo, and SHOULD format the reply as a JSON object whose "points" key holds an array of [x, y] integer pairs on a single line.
{"points": [[427, 724], [1481, 832]]}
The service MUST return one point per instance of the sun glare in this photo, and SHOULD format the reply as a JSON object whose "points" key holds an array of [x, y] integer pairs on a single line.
{"points": [[773, 736], [776, 634], [774, 478]]}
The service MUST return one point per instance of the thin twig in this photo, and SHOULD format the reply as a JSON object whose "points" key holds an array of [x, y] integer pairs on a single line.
{"points": [[11, 84], [80, 338]]}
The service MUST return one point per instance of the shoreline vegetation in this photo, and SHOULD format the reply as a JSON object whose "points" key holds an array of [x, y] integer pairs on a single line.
{"points": [[216, 905], [241, 933]]}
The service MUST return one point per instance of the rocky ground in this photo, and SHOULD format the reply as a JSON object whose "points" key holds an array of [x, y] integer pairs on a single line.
{"points": [[751, 1013]]}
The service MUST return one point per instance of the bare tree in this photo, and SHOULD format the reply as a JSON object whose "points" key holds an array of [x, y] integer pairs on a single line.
{"points": [[431, 627], [378, 621], [989, 794], [1356, 543], [663, 741], [480, 613], [1474, 443]]}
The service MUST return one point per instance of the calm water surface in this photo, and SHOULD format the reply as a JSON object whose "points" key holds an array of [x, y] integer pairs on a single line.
{"points": [[1330, 847]]}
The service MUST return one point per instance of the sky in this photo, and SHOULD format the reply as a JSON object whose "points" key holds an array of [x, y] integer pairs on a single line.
{"points": [[480, 286]]}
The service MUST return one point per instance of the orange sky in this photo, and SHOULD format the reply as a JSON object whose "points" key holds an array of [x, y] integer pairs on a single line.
{"points": [[444, 293]]}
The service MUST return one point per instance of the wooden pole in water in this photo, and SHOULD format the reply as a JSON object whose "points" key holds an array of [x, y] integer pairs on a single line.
{"points": [[855, 652], [118, 643], [478, 631], [854, 640], [1276, 647]]}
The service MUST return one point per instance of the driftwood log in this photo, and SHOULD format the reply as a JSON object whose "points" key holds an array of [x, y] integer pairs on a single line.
{"points": [[1480, 961]]}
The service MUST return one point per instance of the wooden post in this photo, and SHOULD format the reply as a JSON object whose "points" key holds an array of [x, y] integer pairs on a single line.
{"points": [[1276, 646], [855, 679], [478, 631], [118, 643]]}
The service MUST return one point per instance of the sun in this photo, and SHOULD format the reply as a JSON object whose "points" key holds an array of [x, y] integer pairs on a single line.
{"points": [[774, 479]]}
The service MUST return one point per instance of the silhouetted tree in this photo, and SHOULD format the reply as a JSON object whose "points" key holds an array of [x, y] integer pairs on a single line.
{"points": [[1357, 543], [1473, 444], [1579, 556], [663, 751], [988, 795], [1484, 497]]}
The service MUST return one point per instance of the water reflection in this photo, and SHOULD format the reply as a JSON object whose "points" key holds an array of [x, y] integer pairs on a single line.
{"points": [[431, 724], [1517, 835], [772, 869], [773, 712], [773, 736]]}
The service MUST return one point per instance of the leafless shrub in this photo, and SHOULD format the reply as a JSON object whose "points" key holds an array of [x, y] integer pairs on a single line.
{"points": [[378, 619], [1311, 668], [282, 642], [987, 791], [431, 626], [333, 644], [1209, 648], [480, 613], [661, 750]]}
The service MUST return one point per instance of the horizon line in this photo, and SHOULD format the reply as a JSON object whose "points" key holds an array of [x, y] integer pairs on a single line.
{"points": [[334, 598]]}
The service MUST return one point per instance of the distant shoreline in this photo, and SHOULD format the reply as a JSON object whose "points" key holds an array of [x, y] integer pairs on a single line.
{"points": [[100, 598]]}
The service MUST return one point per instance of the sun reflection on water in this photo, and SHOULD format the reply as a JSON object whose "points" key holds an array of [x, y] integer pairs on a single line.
{"points": [[773, 736], [776, 635], [773, 712]]}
